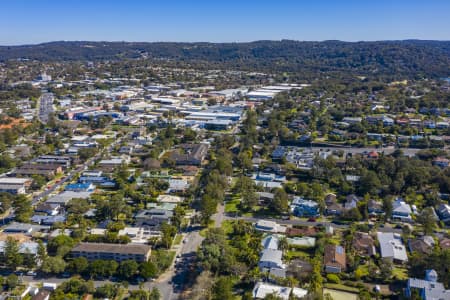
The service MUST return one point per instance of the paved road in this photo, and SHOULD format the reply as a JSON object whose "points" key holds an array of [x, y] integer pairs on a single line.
{"points": [[219, 216], [355, 150], [45, 107], [89, 162], [386, 228], [174, 281]]}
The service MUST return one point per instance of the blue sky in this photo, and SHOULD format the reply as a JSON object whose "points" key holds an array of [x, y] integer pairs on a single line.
{"points": [[36, 21]]}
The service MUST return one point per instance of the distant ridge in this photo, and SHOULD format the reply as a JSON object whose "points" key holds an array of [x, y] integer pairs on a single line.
{"points": [[409, 57]]}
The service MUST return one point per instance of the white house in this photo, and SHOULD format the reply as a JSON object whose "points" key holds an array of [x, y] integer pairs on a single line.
{"points": [[401, 211], [271, 259], [391, 247], [262, 290]]}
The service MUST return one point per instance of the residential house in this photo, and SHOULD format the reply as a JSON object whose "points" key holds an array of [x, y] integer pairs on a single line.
{"points": [[375, 208], [334, 260], [80, 187], [108, 165], [96, 178], [428, 289], [441, 162], [64, 197], [401, 211], [264, 289], [63, 161], [138, 235], [268, 180], [29, 169], [422, 245], [169, 199], [305, 241], [269, 226], [271, 259], [47, 208], [391, 247], [48, 220], [331, 206], [444, 244], [264, 197], [278, 153], [14, 185], [351, 201], [25, 248], [190, 154], [442, 125], [303, 231], [352, 120], [270, 242], [177, 185], [153, 217], [304, 208], [363, 244], [42, 294]]}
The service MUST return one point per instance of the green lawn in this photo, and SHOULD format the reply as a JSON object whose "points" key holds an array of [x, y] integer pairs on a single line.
{"points": [[341, 287], [232, 205], [364, 270], [177, 239], [400, 273], [227, 226], [340, 295], [293, 254]]}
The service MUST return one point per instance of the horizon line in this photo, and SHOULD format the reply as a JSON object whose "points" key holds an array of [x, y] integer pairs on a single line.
{"points": [[224, 42]]}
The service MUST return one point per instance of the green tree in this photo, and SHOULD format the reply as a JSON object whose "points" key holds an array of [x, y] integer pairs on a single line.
{"points": [[53, 265], [386, 269], [249, 199], [23, 209], [38, 181], [222, 289], [215, 254], [139, 295], [208, 207], [127, 269], [78, 265], [148, 270], [178, 215], [12, 281], [369, 183], [13, 258], [316, 278], [103, 268], [107, 291], [280, 201], [168, 232], [155, 294], [427, 220], [60, 245]]}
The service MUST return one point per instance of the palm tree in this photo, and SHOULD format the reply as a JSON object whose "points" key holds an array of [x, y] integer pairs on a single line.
{"points": [[283, 244]]}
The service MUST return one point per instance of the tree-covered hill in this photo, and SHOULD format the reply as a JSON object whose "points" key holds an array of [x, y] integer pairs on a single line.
{"points": [[409, 57]]}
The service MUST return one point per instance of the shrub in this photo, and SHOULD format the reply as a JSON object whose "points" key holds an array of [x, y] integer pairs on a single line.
{"points": [[333, 278]]}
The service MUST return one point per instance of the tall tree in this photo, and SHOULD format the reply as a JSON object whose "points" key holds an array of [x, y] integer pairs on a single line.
{"points": [[13, 258], [427, 220], [280, 201], [127, 269]]}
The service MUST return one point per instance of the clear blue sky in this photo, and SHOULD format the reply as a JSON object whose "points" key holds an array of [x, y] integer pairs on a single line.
{"points": [[36, 21]]}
